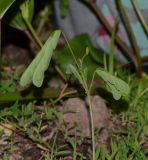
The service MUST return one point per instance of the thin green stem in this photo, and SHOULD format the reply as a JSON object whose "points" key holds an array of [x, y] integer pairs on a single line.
{"points": [[92, 80], [85, 86], [60, 72], [71, 51], [140, 16], [43, 20], [88, 93], [92, 125], [146, 90], [33, 33], [29, 35]]}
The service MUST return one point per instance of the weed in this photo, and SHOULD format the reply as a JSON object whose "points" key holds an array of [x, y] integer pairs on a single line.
{"points": [[32, 122]]}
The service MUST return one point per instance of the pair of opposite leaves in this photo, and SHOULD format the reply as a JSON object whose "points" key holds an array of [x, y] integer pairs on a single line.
{"points": [[35, 71]]}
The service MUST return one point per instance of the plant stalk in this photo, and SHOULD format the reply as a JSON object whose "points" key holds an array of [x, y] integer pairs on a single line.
{"points": [[130, 32], [92, 125], [140, 16], [87, 90], [118, 40], [71, 51], [31, 38], [88, 93], [33, 33]]}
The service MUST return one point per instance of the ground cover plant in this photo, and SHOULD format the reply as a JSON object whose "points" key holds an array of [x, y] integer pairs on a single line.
{"points": [[70, 100]]}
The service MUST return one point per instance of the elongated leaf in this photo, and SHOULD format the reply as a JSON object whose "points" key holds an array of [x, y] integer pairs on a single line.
{"points": [[35, 71], [4, 6], [117, 86]]}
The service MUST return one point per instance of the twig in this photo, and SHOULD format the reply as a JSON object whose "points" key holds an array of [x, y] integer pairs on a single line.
{"points": [[63, 93]]}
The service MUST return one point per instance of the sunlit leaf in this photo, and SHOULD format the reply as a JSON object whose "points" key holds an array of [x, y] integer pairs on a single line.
{"points": [[35, 71], [4, 6], [117, 86]]}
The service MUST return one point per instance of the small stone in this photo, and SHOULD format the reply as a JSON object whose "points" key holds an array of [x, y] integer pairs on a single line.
{"points": [[15, 55], [76, 111]]}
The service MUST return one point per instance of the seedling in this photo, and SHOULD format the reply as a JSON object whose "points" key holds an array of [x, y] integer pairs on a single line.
{"points": [[24, 117], [35, 73]]}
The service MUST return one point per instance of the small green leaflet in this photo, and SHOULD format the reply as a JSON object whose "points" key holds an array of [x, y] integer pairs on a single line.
{"points": [[4, 6], [117, 86], [71, 69], [35, 71], [27, 9], [19, 13]]}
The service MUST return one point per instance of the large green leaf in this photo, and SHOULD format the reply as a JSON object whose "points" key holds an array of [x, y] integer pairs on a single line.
{"points": [[35, 71], [117, 86], [79, 45], [21, 10], [4, 6]]}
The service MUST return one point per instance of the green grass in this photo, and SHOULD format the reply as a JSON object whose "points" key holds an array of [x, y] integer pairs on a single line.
{"points": [[126, 141]]}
